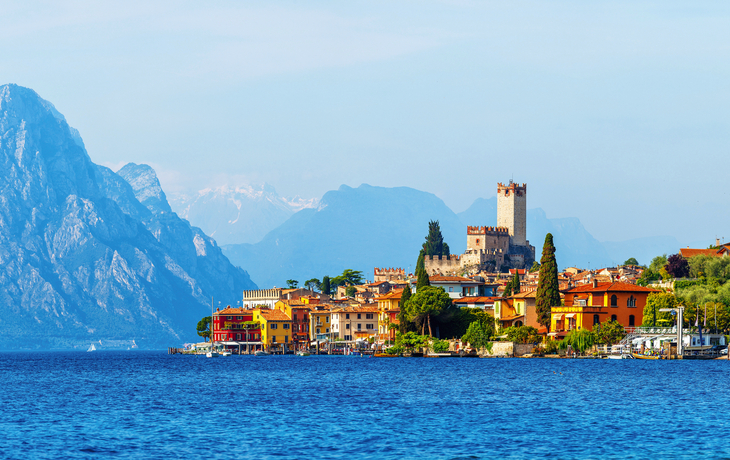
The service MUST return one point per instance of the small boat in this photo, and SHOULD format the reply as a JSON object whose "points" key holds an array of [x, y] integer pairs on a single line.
{"points": [[385, 355], [303, 353], [91, 348], [262, 353], [212, 354], [226, 353], [639, 356], [619, 356]]}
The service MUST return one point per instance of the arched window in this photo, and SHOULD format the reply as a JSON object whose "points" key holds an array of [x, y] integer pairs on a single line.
{"points": [[518, 323], [631, 302], [596, 320], [614, 301], [631, 321], [613, 318]]}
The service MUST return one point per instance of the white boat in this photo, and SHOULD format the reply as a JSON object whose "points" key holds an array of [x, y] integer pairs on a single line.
{"points": [[226, 353], [212, 354], [262, 353], [91, 348], [303, 353]]}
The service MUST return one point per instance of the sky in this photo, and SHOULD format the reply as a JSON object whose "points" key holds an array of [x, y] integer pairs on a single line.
{"points": [[617, 113]]}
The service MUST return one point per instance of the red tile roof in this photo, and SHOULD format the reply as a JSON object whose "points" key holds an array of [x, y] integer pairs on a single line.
{"points": [[687, 252], [477, 299], [274, 315], [395, 294], [616, 286], [234, 311], [450, 279]]}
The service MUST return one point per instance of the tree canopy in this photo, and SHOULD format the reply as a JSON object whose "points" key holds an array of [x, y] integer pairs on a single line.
{"points": [[476, 336], [677, 266], [404, 322], [325, 286], [656, 301], [523, 334], [609, 332], [548, 289], [292, 284], [312, 284], [425, 303], [631, 261], [535, 267], [204, 328], [348, 277], [434, 245]]}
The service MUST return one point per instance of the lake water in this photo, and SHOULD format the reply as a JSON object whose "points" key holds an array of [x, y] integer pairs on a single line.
{"points": [[152, 405]]}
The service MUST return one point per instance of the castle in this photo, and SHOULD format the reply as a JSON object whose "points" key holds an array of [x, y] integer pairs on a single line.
{"points": [[493, 248]]}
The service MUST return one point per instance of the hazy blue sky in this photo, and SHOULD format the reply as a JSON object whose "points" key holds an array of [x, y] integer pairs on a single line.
{"points": [[614, 112]]}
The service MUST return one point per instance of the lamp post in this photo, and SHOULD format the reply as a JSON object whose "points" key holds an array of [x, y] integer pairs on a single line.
{"points": [[679, 311]]}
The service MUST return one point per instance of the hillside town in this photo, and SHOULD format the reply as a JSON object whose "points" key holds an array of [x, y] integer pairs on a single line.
{"points": [[497, 281]]}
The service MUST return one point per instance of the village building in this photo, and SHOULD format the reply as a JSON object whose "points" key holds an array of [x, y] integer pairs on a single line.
{"points": [[355, 322], [275, 330], [590, 304], [493, 248], [298, 312], [236, 330], [388, 309], [320, 322]]}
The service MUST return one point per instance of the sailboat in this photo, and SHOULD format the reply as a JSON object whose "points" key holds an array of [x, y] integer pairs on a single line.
{"points": [[91, 348]]}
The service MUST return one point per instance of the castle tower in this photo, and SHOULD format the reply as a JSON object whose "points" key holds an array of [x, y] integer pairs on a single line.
{"points": [[512, 211]]}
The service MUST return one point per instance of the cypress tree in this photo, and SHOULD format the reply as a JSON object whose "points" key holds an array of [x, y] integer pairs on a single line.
{"points": [[420, 263], [423, 280], [403, 321], [434, 245], [508, 289], [548, 290], [516, 284], [325, 287]]}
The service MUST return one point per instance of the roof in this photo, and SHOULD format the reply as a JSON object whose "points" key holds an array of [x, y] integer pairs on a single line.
{"points": [[476, 299], [274, 315], [358, 309], [510, 318], [616, 286], [451, 279], [395, 294], [519, 271], [234, 311], [687, 252], [526, 295]]}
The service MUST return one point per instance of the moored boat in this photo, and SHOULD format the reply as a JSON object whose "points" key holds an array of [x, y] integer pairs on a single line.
{"points": [[640, 356], [262, 353]]}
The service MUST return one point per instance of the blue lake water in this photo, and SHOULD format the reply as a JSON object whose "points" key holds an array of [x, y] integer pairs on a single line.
{"points": [[152, 405]]}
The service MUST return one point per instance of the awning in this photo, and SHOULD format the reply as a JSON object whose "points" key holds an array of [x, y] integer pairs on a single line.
{"points": [[570, 315], [558, 316]]}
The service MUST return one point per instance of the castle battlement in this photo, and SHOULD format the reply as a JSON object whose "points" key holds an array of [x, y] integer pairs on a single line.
{"points": [[470, 230], [511, 188], [452, 258], [388, 274]]}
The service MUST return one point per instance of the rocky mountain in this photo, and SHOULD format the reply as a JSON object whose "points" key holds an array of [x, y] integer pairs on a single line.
{"points": [[83, 259], [243, 214], [358, 228]]}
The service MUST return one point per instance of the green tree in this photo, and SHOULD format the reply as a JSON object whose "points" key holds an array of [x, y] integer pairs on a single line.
{"points": [[631, 261], [312, 284], [535, 267], [523, 334], [348, 277], [434, 245], [292, 284], [548, 289], [657, 263], [476, 336], [579, 340], [609, 332], [325, 286], [647, 276], [508, 289], [516, 284], [350, 291], [204, 328], [410, 340], [423, 280], [439, 346], [420, 263], [427, 302], [404, 323], [655, 302]]}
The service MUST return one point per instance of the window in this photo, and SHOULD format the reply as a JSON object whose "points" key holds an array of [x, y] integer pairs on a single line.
{"points": [[239, 317], [359, 326], [631, 302], [347, 316], [369, 326], [477, 240], [347, 326], [614, 301], [286, 339], [318, 330], [451, 289], [596, 320], [368, 316], [238, 336], [631, 320], [359, 316], [274, 326], [326, 319], [273, 339], [348, 337], [286, 326], [328, 330], [613, 318]]}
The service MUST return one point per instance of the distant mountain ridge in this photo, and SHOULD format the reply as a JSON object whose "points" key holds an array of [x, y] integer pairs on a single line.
{"points": [[83, 260], [242, 214]]}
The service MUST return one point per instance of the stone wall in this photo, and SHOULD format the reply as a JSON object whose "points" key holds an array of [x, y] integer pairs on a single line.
{"points": [[446, 265], [512, 211]]}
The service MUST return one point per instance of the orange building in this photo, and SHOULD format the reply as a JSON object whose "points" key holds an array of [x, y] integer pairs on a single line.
{"points": [[388, 309], [590, 304]]}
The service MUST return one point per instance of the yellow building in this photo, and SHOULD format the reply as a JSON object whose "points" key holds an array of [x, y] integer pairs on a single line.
{"points": [[275, 329], [388, 309]]}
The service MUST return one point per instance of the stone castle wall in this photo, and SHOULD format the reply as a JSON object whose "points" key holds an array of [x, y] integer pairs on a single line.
{"points": [[388, 274], [512, 211]]}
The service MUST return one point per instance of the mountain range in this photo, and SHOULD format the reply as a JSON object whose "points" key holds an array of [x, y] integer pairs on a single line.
{"points": [[89, 255], [243, 214]]}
